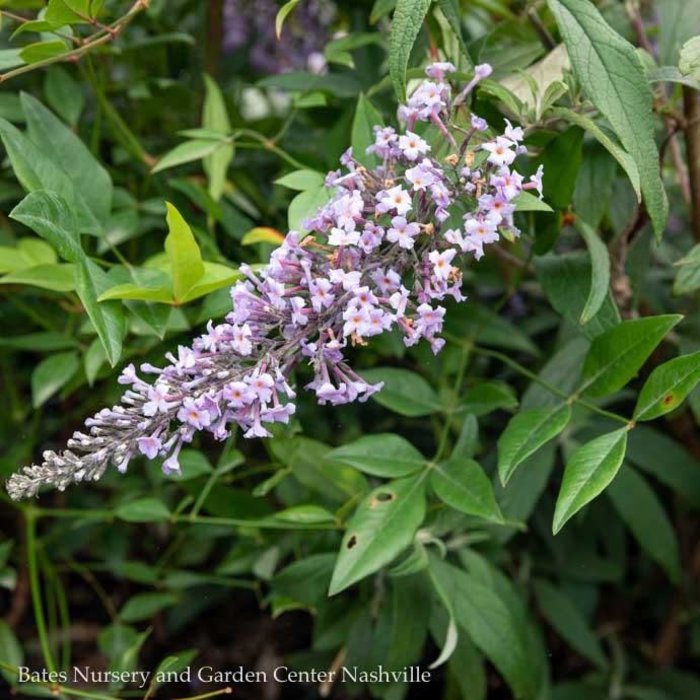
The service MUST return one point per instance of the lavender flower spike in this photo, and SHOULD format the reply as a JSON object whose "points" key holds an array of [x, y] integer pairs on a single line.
{"points": [[379, 257]]}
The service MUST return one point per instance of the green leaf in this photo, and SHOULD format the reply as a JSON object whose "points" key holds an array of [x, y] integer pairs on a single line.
{"points": [[108, 317], [600, 272], [562, 160], [215, 277], [589, 471], [36, 170], [667, 387], [51, 374], [496, 629], [611, 74], [385, 455], [665, 459], [688, 278], [10, 651], [623, 158], [671, 74], [185, 258], [28, 253], [529, 202], [404, 392], [302, 180], [50, 216], [594, 184], [640, 509], [366, 117], [186, 153], [383, 525], [568, 620], [462, 484], [405, 26], [43, 50], [143, 510], [453, 14], [567, 281], [616, 355], [262, 234], [526, 432], [215, 118], [282, 14], [305, 205], [56, 277], [144, 606], [92, 182], [306, 580], [689, 63], [64, 94]]}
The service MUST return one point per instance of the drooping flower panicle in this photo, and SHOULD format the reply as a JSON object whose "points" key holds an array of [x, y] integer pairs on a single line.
{"points": [[379, 256]]}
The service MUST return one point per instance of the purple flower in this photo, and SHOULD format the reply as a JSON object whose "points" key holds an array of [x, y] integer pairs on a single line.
{"points": [[378, 258], [193, 414]]}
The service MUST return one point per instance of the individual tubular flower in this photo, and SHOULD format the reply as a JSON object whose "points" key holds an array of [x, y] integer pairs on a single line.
{"points": [[379, 256]]}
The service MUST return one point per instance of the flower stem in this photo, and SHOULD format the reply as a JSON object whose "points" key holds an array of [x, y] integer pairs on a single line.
{"points": [[30, 515]]}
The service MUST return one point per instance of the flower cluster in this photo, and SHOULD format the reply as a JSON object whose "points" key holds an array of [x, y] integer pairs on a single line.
{"points": [[379, 256]]}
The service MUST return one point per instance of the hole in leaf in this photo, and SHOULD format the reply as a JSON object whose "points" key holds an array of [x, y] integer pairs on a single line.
{"points": [[352, 542], [384, 496]]}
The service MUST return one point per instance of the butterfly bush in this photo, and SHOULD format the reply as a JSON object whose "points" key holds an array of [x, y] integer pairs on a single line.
{"points": [[379, 256]]}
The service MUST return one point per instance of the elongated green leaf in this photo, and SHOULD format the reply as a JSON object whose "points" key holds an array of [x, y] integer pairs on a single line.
{"points": [[528, 202], [143, 510], [404, 392], [384, 455], [186, 153], [567, 281], [143, 606], [50, 216], [624, 159], [383, 525], [57, 277], [108, 317], [453, 14], [215, 118], [666, 460], [301, 180], [561, 161], [215, 277], [282, 14], [51, 374], [186, 264], [616, 355], [406, 24], [262, 234], [569, 622], [36, 170], [366, 117], [591, 468], [525, 433], [639, 507], [41, 50], [667, 387], [600, 272], [496, 629], [90, 179], [611, 74], [689, 63], [463, 485]]}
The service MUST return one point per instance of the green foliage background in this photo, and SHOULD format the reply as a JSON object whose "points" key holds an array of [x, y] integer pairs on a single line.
{"points": [[521, 510]]}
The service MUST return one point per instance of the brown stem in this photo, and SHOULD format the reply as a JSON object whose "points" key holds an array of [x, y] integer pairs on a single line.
{"points": [[214, 37], [691, 108]]}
